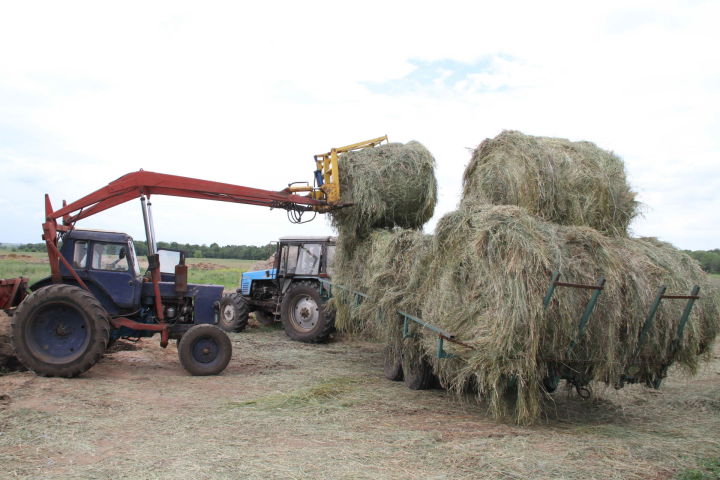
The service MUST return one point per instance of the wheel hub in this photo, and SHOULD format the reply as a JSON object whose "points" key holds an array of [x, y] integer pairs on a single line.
{"points": [[205, 350], [228, 313], [58, 334], [61, 330], [306, 313]]}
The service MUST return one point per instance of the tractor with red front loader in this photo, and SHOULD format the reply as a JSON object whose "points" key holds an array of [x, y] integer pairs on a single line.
{"points": [[96, 292]]}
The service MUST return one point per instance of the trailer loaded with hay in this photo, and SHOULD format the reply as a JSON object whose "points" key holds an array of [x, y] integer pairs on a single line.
{"points": [[533, 280]]}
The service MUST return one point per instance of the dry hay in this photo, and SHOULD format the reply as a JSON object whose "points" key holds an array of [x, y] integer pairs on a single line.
{"points": [[263, 264], [569, 183], [8, 360], [24, 258], [389, 185], [205, 266], [490, 270], [483, 277], [381, 266]]}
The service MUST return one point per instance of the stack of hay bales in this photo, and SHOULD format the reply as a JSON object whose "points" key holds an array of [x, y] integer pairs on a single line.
{"points": [[530, 206], [393, 189]]}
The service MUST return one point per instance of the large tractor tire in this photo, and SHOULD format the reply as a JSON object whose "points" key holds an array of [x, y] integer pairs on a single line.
{"points": [[265, 318], [60, 331], [204, 350], [234, 313], [303, 316], [417, 373]]}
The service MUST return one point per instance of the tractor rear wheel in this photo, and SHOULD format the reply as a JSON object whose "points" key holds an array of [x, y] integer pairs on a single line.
{"points": [[303, 314], [204, 350], [60, 331], [234, 313], [417, 373]]}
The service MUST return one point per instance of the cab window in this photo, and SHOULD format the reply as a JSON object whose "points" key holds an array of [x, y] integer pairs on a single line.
{"points": [[80, 254], [289, 259], [109, 256], [309, 259], [133, 260]]}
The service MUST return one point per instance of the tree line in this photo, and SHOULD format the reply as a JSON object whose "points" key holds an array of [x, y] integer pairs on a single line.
{"points": [[242, 252], [709, 259]]}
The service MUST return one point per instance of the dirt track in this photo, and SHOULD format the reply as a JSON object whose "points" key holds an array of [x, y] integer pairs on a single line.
{"points": [[288, 410]]}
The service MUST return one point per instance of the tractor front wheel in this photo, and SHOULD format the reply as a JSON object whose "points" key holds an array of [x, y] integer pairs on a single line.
{"points": [[60, 331], [234, 313], [204, 350]]}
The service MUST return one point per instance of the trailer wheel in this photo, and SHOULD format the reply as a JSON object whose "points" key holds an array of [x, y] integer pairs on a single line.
{"points": [[303, 314], [234, 313], [393, 365], [265, 318], [60, 331], [417, 374], [204, 350]]}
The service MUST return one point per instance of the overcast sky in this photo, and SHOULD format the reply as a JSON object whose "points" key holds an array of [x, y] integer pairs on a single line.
{"points": [[248, 92]]}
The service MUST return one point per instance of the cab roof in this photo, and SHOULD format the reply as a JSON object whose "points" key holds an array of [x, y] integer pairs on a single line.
{"points": [[301, 238], [99, 235]]}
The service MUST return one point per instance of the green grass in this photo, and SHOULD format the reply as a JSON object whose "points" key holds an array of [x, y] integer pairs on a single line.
{"points": [[227, 272], [707, 470], [227, 277], [34, 268]]}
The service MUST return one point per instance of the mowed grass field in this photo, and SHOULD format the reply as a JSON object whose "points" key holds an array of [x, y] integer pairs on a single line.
{"points": [[288, 410], [34, 265]]}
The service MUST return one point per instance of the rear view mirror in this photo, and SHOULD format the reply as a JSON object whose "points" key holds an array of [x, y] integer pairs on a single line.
{"points": [[168, 260]]}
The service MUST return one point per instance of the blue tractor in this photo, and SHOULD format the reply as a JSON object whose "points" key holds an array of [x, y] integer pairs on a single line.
{"points": [[63, 329], [289, 292]]}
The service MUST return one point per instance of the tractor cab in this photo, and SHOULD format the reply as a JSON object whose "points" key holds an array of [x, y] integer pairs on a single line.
{"points": [[296, 258], [290, 291], [107, 263]]}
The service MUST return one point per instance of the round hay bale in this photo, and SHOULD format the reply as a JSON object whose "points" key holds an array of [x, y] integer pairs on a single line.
{"points": [[490, 270], [388, 186], [569, 183]]}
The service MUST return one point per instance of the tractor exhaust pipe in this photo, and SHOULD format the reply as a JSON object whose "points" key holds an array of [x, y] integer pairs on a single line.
{"points": [[149, 228]]}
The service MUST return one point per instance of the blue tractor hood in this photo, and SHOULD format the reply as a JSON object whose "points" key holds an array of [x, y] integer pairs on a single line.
{"points": [[248, 277]]}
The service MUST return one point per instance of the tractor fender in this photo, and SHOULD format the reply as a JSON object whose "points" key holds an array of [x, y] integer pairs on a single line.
{"points": [[96, 290]]}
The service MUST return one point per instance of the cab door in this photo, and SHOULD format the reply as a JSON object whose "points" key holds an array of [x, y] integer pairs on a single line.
{"points": [[112, 269]]}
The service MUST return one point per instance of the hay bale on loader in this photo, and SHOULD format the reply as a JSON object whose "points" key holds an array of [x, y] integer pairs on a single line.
{"points": [[569, 183], [389, 186]]}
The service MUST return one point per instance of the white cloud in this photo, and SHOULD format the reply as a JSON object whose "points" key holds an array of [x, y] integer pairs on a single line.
{"points": [[247, 93]]}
